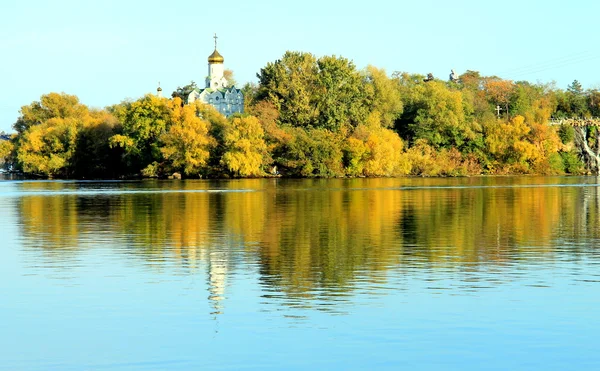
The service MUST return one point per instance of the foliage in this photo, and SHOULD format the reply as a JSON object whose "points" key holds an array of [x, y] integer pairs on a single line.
{"points": [[7, 148], [566, 133], [245, 147], [308, 92], [186, 145], [143, 122], [316, 117], [374, 151], [572, 163], [183, 92], [47, 149], [437, 114], [311, 153], [387, 101], [52, 105]]}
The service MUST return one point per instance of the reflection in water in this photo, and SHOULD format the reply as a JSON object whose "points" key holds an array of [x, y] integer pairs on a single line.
{"points": [[316, 242]]}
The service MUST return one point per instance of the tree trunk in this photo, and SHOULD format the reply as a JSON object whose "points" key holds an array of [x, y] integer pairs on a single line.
{"points": [[590, 156]]}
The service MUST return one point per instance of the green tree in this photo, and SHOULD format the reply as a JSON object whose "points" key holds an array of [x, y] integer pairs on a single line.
{"points": [[434, 112], [290, 83], [322, 93], [577, 100], [342, 100], [311, 153], [143, 122], [93, 156], [184, 92]]}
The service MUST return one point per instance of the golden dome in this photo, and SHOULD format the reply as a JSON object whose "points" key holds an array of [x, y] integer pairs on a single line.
{"points": [[215, 57]]}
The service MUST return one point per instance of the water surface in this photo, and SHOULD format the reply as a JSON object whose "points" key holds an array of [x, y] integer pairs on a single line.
{"points": [[469, 273]]}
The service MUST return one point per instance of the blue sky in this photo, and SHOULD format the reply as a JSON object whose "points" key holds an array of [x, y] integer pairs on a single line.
{"points": [[108, 50]]}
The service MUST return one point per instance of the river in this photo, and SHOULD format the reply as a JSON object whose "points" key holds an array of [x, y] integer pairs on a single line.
{"points": [[412, 273]]}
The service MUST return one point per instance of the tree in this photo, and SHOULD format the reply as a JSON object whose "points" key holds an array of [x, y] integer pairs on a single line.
{"points": [[47, 149], [499, 92], [93, 156], [387, 100], [372, 150], [509, 146], [342, 100], [245, 147], [312, 153], [228, 74], [7, 148], [187, 143], [52, 105], [290, 83], [143, 122], [322, 93], [434, 112], [47, 134], [184, 92], [577, 100]]}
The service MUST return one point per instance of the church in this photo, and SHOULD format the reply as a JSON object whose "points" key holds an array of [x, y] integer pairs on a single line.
{"points": [[226, 99]]}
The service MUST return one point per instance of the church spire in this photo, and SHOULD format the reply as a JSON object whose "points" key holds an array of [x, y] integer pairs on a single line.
{"points": [[215, 57], [159, 91]]}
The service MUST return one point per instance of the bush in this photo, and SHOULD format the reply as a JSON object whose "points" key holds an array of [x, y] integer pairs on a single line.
{"points": [[572, 163], [566, 133]]}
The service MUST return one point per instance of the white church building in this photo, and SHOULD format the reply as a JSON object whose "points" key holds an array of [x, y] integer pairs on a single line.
{"points": [[226, 99]]}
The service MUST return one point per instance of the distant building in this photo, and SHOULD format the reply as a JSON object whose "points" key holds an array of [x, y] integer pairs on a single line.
{"points": [[226, 99], [4, 137]]}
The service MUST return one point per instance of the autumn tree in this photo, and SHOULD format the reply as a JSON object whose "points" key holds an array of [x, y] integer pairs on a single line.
{"points": [[186, 144], [47, 149], [47, 135], [386, 101], [228, 74], [311, 153], [7, 148], [52, 105], [499, 92], [508, 144], [373, 150], [245, 147]]}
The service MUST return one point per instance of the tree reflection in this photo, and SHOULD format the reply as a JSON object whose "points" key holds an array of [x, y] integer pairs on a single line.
{"points": [[314, 239]]}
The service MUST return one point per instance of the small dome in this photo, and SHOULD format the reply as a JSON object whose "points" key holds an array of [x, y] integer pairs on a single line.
{"points": [[159, 89], [215, 57]]}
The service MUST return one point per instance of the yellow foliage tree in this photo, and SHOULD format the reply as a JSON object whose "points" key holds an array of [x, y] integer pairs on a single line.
{"points": [[245, 147], [47, 149], [374, 151], [187, 143], [509, 146]]}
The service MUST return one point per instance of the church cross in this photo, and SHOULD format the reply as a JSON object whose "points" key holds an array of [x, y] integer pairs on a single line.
{"points": [[215, 37], [498, 109]]}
